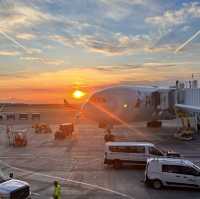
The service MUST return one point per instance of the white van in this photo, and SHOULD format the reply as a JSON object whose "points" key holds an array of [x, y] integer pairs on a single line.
{"points": [[172, 172], [13, 189], [119, 153]]}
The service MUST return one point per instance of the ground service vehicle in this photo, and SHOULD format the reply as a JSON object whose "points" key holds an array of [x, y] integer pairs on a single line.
{"points": [[119, 153], [17, 138], [42, 128], [65, 130], [13, 189], [172, 172]]}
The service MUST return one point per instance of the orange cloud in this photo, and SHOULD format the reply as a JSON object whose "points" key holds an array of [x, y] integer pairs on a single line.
{"points": [[53, 87]]}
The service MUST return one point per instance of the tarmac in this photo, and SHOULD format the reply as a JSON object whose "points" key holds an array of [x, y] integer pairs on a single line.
{"points": [[77, 162]]}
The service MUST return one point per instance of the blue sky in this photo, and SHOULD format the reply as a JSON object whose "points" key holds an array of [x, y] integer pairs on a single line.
{"points": [[95, 42]]}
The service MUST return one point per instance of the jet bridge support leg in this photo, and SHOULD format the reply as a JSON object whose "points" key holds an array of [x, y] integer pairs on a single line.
{"points": [[186, 127]]}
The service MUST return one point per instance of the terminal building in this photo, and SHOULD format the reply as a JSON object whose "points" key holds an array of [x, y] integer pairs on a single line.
{"points": [[188, 102], [12, 116]]}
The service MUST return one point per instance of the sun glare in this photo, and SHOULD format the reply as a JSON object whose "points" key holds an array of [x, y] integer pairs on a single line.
{"points": [[77, 94]]}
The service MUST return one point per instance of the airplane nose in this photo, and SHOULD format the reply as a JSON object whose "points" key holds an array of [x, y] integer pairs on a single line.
{"points": [[89, 111], [82, 113], [85, 109]]}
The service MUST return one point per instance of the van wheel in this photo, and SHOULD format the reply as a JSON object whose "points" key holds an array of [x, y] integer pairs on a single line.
{"points": [[117, 164], [157, 184]]}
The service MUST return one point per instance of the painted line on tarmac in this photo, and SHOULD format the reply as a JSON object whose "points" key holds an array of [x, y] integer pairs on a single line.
{"points": [[88, 162], [35, 194], [27, 156], [82, 164], [72, 181], [7, 157]]}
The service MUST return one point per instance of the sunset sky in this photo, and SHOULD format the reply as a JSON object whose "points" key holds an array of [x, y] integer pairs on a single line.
{"points": [[49, 48]]}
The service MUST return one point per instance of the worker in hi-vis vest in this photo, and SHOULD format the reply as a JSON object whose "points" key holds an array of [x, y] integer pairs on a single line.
{"points": [[57, 190]]}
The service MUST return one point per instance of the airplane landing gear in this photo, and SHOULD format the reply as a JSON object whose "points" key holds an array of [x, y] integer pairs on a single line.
{"points": [[109, 138], [154, 124]]}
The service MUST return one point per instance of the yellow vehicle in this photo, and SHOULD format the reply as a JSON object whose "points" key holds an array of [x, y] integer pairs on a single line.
{"points": [[42, 128]]}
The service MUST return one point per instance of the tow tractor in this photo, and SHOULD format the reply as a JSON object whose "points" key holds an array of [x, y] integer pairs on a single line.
{"points": [[109, 137], [65, 130], [184, 134], [186, 131], [17, 138], [154, 124]]}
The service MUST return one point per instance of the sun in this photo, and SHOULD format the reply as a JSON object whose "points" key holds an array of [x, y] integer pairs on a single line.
{"points": [[77, 94]]}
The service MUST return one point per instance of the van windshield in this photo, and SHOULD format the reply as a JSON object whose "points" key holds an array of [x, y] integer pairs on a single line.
{"points": [[196, 167], [154, 151], [3, 177]]}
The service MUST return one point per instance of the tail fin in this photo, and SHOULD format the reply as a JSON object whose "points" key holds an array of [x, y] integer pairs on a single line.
{"points": [[66, 102]]}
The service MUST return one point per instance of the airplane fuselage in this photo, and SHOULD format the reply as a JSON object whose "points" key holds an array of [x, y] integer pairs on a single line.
{"points": [[121, 104]]}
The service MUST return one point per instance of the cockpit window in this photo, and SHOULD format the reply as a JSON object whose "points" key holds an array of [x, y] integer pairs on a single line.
{"points": [[96, 99]]}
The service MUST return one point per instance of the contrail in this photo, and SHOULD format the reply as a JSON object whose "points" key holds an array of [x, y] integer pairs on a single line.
{"points": [[14, 41], [187, 42], [26, 50]]}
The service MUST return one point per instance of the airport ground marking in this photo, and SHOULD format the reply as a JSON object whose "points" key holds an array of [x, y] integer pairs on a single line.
{"points": [[69, 180], [84, 163], [35, 194]]}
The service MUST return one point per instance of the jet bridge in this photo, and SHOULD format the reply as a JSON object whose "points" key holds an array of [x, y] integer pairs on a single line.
{"points": [[188, 109], [163, 101]]}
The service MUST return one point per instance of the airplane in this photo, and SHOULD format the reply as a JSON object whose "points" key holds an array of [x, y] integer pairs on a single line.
{"points": [[124, 104]]}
